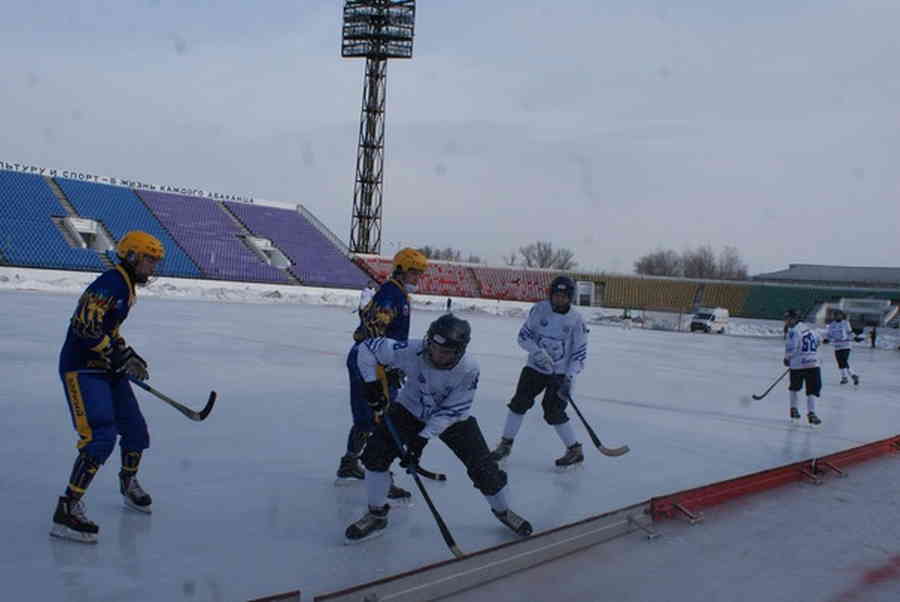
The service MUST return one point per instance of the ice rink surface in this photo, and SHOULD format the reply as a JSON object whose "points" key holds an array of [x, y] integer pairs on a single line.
{"points": [[245, 503]]}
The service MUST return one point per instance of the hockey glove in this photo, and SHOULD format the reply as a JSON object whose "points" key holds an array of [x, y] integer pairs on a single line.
{"points": [[563, 386], [542, 360], [376, 398], [413, 452], [125, 361], [395, 378], [787, 363]]}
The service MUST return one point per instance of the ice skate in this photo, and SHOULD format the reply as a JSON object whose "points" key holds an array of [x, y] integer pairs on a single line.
{"points": [[519, 525], [133, 494], [855, 379], [502, 451], [813, 419], [844, 380], [795, 414], [399, 494], [349, 471], [70, 522], [571, 459], [369, 526]]}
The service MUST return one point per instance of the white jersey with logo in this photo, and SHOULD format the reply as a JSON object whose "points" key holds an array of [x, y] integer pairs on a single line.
{"points": [[563, 336], [801, 347], [439, 398], [840, 335]]}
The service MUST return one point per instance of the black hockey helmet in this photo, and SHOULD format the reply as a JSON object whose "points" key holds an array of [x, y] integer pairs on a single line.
{"points": [[839, 315], [447, 333], [564, 285], [792, 314]]}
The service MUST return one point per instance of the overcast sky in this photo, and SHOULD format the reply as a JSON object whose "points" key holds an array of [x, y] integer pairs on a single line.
{"points": [[608, 127]]}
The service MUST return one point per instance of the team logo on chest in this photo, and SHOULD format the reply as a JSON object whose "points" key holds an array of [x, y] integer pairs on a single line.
{"points": [[544, 322], [567, 328]]}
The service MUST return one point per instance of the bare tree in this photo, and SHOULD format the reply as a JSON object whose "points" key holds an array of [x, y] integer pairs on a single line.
{"points": [[541, 254], [731, 266], [511, 259], [447, 254], [700, 262], [660, 263]]}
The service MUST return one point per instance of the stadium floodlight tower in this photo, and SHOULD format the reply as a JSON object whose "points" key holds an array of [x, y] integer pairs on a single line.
{"points": [[377, 30]]}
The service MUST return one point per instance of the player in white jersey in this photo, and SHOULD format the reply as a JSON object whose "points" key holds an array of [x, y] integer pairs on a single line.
{"points": [[555, 337], [801, 356], [840, 335], [435, 401]]}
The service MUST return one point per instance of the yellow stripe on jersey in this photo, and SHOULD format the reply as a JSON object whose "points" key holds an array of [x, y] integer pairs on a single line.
{"points": [[76, 403]]}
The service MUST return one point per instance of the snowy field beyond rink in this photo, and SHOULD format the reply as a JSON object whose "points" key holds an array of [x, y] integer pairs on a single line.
{"points": [[244, 503]]}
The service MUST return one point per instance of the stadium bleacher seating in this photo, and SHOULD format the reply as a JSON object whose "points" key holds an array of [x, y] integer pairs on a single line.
{"points": [[210, 237], [316, 260], [28, 237], [121, 211], [728, 295]]}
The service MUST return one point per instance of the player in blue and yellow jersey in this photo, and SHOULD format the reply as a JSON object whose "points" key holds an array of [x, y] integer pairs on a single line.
{"points": [[386, 315], [95, 365]]}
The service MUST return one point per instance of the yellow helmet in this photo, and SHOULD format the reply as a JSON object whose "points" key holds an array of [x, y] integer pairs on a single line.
{"points": [[410, 259], [140, 243]]}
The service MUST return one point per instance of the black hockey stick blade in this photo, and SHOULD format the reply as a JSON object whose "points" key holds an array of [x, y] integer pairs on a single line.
{"points": [[612, 452], [192, 414], [434, 476], [772, 386]]}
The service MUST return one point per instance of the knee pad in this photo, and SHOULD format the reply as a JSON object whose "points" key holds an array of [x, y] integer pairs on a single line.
{"points": [[520, 405], [378, 455], [555, 412], [101, 445], [487, 477]]}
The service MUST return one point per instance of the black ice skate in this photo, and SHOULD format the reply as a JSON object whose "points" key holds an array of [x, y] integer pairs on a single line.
{"points": [[795, 414], [133, 494], [502, 451], [572, 458], [844, 380], [855, 378], [369, 526], [349, 470], [399, 494], [70, 522], [519, 525], [813, 419]]}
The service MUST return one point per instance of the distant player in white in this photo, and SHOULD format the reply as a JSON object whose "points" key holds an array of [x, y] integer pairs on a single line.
{"points": [[801, 356], [555, 337], [434, 402], [840, 335]]}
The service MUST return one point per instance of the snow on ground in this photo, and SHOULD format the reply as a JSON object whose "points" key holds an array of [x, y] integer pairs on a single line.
{"points": [[60, 281]]}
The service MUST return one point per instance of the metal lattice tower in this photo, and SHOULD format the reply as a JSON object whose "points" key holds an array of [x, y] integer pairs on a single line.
{"points": [[377, 30]]}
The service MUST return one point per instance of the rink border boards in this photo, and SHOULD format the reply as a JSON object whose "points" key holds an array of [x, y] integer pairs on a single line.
{"points": [[686, 503], [456, 575]]}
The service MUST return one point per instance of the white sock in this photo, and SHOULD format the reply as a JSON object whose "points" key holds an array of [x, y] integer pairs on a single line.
{"points": [[795, 401], [513, 424], [810, 403], [377, 486], [498, 500], [566, 433]]}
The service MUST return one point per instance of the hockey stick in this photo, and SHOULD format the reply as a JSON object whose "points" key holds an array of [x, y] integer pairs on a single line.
{"points": [[197, 416], [772, 386], [612, 452], [445, 532]]}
